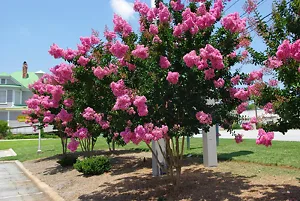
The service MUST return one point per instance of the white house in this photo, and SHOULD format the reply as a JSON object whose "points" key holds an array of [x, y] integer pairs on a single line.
{"points": [[14, 92]]}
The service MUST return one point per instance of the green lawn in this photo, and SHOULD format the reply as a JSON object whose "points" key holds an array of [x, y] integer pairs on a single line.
{"points": [[281, 153]]}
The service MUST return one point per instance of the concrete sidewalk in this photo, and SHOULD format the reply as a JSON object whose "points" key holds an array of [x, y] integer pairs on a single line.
{"points": [[18, 184]]}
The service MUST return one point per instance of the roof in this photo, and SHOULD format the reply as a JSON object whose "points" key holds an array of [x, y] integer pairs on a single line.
{"points": [[4, 74], [31, 78]]}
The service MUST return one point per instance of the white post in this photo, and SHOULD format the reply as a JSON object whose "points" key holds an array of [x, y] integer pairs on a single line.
{"points": [[39, 145], [156, 170], [8, 117], [210, 147]]}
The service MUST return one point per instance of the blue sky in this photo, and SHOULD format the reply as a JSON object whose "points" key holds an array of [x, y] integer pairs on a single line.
{"points": [[28, 28]]}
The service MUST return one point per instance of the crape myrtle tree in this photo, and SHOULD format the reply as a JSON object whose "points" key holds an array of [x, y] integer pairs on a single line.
{"points": [[91, 69], [176, 75], [281, 60], [48, 106]]}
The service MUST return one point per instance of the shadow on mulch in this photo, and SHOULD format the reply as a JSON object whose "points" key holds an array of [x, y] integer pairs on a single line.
{"points": [[201, 184]]}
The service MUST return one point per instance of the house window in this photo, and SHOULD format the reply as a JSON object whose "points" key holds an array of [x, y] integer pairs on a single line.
{"points": [[3, 81], [3, 96]]}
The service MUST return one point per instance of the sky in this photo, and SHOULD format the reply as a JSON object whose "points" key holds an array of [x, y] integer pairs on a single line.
{"points": [[28, 28]]}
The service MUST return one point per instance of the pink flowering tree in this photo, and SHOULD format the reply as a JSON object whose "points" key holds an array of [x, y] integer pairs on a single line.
{"points": [[281, 60], [94, 69], [48, 106], [171, 70]]}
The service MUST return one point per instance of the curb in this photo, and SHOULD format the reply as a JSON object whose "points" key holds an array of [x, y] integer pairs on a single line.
{"points": [[41, 185]]}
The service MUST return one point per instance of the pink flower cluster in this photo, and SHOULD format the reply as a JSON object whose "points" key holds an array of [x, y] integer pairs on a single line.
{"points": [[242, 94], [90, 114], [177, 5], [204, 118], [118, 49], [173, 77], [73, 145], [242, 107], [268, 108], [145, 133], [250, 6], [100, 72], [140, 52], [63, 73], [255, 89], [163, 13], [164, 62], [83, 61], [234, 23], [219, 83], [253, 120], [264, 137], [273, 83], [273, 62], [140, 103], [247, 126], [238, 138], [255, 75], [287, 50], [121, 26], [235, 80], [64, 116]]}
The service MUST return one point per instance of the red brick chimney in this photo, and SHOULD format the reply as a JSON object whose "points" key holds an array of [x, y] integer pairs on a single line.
{"points": [[24, 70]]}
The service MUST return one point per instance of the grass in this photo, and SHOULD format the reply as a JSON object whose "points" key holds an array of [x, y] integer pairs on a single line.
{"points": [[280, 154]]}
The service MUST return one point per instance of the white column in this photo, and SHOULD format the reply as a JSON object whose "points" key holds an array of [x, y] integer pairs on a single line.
{"points": [[13, 98], [156, 170], [8, 117], [210, 147], [39, 145]]}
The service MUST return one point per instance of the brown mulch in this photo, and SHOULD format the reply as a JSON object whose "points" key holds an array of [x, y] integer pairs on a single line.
{"points": [[131, 179]]}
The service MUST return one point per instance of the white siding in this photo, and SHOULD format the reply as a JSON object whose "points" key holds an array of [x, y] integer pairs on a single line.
{"points": [[25, 96]]}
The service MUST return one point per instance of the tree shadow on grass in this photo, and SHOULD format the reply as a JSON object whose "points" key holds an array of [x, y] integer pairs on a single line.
{"points": [[200, 184]]}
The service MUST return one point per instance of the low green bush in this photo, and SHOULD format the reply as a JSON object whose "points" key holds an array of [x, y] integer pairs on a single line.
{"points": [[94, 165], [11, 136], [4, 129], [68, 160], [236, 126]]}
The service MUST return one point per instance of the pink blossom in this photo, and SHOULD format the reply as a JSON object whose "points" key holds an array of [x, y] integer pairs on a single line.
{"points": [[177, 5], [234, 23], [56, 51], [110, 35], [83, 61], [122, 103], [69, 131], [284, 50], [153, 29], [121, 26], [69, 54], [242, 107], [164, 62], [173, 77], [140, 7], [273, 62], [273, 83], [118, 49], [156, 39], [140, 52], [63, 73], [255, 89], [295, 50], [235, 80], [219, 83], [118, 88], [151, 15], [81, 133], [232, 55], [48, 117], [209, 74], [204, 118], [247, 126], [268, 108], [242, 94], [250, 6], [95, 40], [191, 59], [73, 145], [68, 102], [163, 13], [253, 120], [89, 113], [100, 72], [214, 55], [64, 115], [140, 103], [264, 137], [238, 138], [126, 135]]}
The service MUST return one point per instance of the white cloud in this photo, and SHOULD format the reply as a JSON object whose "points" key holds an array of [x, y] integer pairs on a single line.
{"points": [[122, 8]]}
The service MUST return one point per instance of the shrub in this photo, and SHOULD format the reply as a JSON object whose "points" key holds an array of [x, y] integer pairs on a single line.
{"points": [[68, 160], [3, 129], [236, 126], [95, 165]]}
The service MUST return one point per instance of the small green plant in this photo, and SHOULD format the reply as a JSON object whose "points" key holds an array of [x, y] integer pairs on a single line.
{"points": [[4, 128], [236, 126], [94, 165], [68, 160]]}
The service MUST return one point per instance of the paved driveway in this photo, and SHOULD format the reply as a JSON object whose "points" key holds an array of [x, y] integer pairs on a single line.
{"points": [[16, 186]]}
